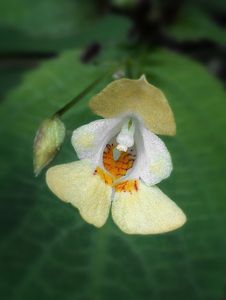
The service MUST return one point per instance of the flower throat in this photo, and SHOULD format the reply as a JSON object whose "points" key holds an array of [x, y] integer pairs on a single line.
{"points": [[117, 168]]}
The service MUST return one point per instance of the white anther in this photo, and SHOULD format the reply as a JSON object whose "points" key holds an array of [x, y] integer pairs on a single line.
{"points": [[125, 138], [122, 148]]}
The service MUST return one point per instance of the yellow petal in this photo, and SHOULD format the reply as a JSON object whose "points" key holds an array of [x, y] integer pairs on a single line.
{"points": [[76, 183], [136, 96], [146, 211]]}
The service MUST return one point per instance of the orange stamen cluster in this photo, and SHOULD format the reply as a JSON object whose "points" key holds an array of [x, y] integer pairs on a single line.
{"points": [[117, 169]]}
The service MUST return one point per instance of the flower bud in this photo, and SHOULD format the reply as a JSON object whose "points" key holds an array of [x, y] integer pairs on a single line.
{"points": [[47, 143], [118, 74]]}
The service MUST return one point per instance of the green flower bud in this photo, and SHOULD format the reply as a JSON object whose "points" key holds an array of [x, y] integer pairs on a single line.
{"points": [[47, 143]]}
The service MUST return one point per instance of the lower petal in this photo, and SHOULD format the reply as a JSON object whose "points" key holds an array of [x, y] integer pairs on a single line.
{"points": [[146, 211], [76, 183]]}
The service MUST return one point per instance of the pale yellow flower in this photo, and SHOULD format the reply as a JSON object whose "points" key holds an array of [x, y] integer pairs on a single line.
{"points": [[121, 161]]}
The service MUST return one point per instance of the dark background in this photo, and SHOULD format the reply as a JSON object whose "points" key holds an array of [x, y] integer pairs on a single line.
{"points": [[32, 32]]}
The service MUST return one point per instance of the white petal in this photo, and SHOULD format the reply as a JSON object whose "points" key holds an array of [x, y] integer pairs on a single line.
{"points": [[146, 211], [89, 140], [76, 183], [153, 162]]}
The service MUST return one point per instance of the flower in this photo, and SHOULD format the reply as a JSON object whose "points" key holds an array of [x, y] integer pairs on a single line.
{"points": [[121, 161]]}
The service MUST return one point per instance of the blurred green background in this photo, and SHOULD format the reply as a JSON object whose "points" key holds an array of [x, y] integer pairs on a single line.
{"points": [[51, 50]]}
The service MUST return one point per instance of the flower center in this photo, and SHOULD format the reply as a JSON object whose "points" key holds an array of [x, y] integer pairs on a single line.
{"points": [[117, 168], [118, 158]]}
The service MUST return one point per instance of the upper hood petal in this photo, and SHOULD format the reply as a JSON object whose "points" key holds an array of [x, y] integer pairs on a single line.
{"points": [[136, 96]]}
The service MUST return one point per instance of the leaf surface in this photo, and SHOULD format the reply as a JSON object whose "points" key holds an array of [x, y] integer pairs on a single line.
{"points": [[195, 24], [47, 251]]}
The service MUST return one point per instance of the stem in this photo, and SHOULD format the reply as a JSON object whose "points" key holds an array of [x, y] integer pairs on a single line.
{"points": [[129, 67], [77, 98]]}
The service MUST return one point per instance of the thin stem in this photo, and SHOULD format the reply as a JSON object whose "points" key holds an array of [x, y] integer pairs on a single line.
{"points": [[77, 98], [129, 68]]}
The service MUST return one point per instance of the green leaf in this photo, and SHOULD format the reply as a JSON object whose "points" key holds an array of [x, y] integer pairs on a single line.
{"points": [[47, 251], [55, 25], [108, 31], [10, 77], [48, 17], [194, 24]]}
